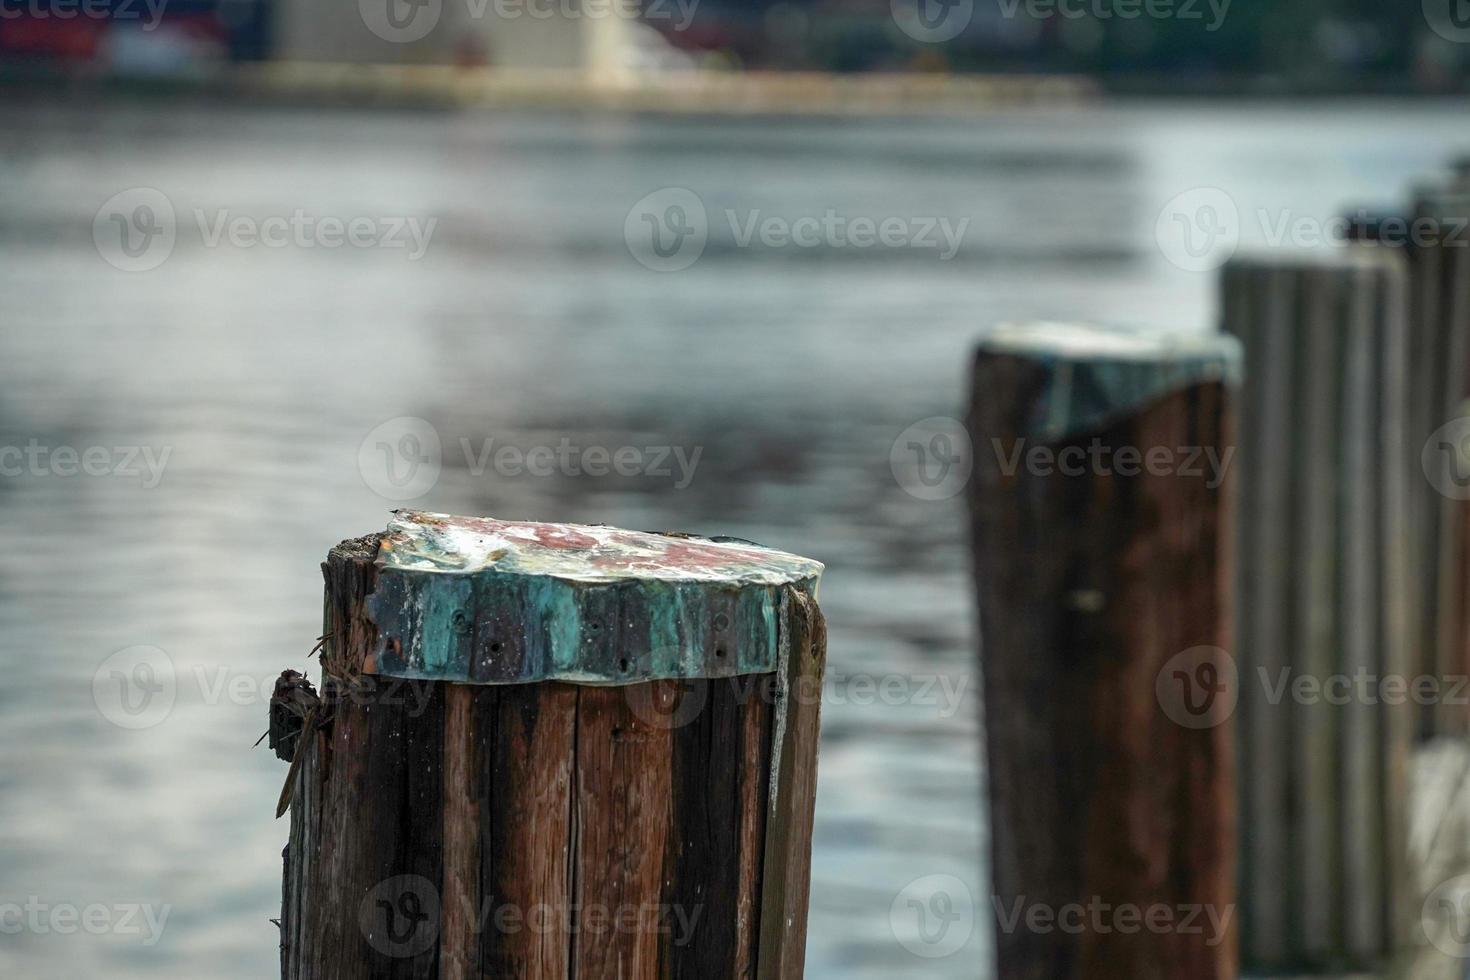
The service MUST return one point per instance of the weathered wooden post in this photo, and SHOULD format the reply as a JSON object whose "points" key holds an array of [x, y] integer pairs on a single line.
{"points": [[1101, 517], [1325, 611], [1440, 383], [553, 751]]}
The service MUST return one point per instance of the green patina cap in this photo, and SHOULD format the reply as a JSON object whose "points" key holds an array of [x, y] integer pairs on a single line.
{"points": [[1095, 375], [483, 601]]}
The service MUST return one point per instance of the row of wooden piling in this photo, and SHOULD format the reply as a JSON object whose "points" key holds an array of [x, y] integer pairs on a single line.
{"points": [[1316, 602], [1170, 534]]}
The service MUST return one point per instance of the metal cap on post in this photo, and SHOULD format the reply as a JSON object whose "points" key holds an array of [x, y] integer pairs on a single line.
{"points": [[553, 750], [1101, 541], [481, 601]]}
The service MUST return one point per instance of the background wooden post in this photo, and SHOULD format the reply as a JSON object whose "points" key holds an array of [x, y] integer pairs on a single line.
{"points": [[1101, 537], [553, 751], [1327, 599], [1439, 385]]}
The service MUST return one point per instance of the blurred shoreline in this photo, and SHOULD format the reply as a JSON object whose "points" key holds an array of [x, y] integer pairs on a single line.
{"points": [[698, 92], [756, 93]]}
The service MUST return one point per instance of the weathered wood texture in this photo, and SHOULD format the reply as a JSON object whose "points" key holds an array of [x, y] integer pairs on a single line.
{"points": [[1439, 385], [547, 830], [1090, 583], [1326, 606]]}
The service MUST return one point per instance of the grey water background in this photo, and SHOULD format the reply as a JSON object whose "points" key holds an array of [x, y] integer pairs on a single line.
{"points": [[793, 370]]}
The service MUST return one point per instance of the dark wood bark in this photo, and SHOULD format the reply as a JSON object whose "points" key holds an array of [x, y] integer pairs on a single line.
{"points": [[1088, 586], [544, 830]]}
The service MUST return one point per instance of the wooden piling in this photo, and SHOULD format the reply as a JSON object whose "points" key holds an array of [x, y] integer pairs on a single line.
{"points": [[1101, 525], [553, 751], [1326, 608], [1440, 385]]}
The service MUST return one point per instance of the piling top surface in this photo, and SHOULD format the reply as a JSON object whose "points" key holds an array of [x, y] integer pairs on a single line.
{"points": [[478, 600], [1353, 257], [1096, 374], [439, 543]]}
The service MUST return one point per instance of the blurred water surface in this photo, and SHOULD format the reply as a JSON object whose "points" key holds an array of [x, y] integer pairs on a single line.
{"points": [[262, 370]]}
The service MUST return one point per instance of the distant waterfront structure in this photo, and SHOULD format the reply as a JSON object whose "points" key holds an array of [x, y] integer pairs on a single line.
{"points": [[605, 39]]}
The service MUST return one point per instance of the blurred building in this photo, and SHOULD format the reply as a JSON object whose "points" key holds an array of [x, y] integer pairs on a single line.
{"points": [[532, 34]]}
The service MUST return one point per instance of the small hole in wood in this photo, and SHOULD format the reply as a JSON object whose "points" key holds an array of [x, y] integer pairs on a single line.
{"points": [[719, 651], [495, 647], [623, 665]]}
